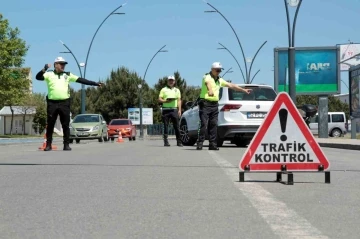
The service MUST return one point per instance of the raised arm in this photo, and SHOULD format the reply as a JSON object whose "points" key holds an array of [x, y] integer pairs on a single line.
{"points": [[40, 74]]}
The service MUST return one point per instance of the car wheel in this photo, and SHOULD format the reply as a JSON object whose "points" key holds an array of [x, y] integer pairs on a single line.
{"points": [[77, 141], [106, 138], [71, 141], [134, 138], [101, 139], [112, 139], [335, 133], [130, 138], [184, 135], [241, 143]]}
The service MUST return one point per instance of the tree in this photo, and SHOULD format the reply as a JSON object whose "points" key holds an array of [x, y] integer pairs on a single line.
{"points": [[30, 104], [334, 103], [13, 79]]}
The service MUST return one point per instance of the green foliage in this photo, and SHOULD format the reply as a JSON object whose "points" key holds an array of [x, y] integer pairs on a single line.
{"points": [[335, 105], [13, 79], [120, 91]]}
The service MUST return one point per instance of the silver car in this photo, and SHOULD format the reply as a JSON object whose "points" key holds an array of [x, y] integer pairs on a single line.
{"points": [[336, 124]]}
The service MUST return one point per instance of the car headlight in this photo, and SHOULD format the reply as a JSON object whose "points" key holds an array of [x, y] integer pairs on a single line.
{"points": [[96, 128], [71, 128], [128, 129]]}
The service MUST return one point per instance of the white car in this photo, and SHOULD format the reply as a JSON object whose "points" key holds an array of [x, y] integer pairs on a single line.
{"points": [[240, 115]]}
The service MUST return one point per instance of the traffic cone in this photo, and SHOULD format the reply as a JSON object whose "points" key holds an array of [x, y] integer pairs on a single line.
{"points": [[120, 139], [44, 143]]}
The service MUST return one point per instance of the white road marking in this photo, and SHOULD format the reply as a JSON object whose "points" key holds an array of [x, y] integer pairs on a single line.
{"points": [[284, 222]]}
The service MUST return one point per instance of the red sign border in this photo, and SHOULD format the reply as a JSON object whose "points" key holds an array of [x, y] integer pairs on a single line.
{"points": [[284, 98]]}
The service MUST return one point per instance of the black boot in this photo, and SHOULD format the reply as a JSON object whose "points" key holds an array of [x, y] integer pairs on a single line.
{"points": [[166, 143], [179, 143], [213, 146], [48, 146], [66, 147], [199, 145]]}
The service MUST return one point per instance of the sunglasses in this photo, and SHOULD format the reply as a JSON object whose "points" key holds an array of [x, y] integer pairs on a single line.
{"points": [[218, 70]]}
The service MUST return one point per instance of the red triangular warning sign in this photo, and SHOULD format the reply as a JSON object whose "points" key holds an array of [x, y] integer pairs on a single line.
{"points": [[283, 139]]}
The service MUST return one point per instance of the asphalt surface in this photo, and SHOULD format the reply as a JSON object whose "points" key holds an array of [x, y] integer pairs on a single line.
{"points": [[142, 190]]}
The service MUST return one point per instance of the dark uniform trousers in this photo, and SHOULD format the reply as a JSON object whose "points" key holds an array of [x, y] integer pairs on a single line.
{"points": [[57, 108], [208, 114], [167, 115]]}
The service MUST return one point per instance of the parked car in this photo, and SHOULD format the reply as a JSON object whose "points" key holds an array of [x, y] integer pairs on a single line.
{"points": [[337, 124], [87, 127], [125, 126], [240, 115]]}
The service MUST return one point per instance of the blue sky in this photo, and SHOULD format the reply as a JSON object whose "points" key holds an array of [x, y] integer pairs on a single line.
{"points": [[191, 35]]}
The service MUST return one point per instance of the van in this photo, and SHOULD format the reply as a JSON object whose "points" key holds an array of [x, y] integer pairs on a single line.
{"points": [[336, 124]]}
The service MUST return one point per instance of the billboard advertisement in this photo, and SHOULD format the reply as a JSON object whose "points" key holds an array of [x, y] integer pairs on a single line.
{"points": [[347, 51], [147, 115], [317, 71]]}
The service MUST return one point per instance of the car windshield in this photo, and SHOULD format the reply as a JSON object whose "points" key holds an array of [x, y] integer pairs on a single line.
{"points": [[119, 122], [257, 93], [86, 119]]}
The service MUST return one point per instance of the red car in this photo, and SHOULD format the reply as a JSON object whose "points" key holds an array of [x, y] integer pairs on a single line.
{"points": [[125, 126]]}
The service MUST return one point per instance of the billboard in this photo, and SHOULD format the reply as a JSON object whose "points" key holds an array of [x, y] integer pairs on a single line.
{"points": [[147, 115], [317, 71], [347, 51]]}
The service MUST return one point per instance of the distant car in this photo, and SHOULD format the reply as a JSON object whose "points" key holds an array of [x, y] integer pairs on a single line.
{"points": [[88, 127], [337, 124], [240, 115], [125, 126]]}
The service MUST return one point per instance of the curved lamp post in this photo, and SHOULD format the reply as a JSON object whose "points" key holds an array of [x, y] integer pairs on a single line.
{"points": [[247, 81], [70, 52], [225, 48], [140, 85], [291, 49], [228, 71], [248, 74], [88, 53]]}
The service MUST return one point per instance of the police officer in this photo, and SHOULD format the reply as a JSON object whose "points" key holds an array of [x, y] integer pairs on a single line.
{"points": [[58, 98], [170, 97], [208, 104]]}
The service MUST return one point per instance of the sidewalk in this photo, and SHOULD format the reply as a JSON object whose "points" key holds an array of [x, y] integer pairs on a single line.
{"points": [[339, 143]]}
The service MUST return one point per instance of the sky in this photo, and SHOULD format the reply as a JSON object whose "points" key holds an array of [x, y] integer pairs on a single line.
{"points": [[190, 35]]}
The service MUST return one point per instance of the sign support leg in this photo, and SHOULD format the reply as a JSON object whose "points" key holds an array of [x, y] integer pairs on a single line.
{"points": [[278, 177], [290, 179], [241, 177], [327, 177]]}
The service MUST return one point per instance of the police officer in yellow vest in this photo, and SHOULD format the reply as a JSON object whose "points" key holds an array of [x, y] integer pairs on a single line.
{"points": [[58, 98], [208, 104], [170, 97]]}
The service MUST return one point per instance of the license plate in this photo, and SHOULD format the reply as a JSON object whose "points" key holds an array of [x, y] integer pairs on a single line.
{"points": [[83, 133], [256, 115]]}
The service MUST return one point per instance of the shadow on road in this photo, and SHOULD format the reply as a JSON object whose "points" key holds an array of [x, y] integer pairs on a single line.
{"points": [[111, 165]]}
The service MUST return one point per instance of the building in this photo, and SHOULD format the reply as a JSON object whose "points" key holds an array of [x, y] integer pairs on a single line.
{"points": [[19, 122], [22, 122], [343, 98]]}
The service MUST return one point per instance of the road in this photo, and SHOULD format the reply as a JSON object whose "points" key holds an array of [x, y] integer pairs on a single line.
{"points": [[142, 190]]}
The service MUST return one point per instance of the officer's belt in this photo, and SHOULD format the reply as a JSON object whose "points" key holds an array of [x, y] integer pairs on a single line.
{"points": [[209, 101], [170, 108]]}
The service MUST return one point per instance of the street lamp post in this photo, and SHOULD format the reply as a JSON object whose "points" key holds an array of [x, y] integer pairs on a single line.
{"points": [[247, 81], [291, 50], [70, 52], [140, 98], [228, 71], [248, 74], [88, 52]]}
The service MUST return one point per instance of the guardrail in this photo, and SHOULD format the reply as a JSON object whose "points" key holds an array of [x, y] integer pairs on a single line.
{"points": [[157, 129]]}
